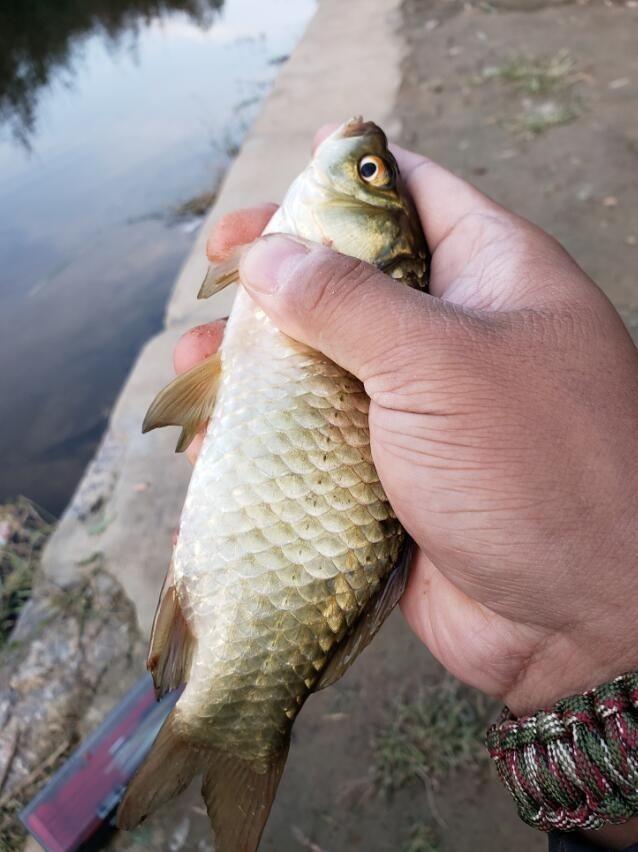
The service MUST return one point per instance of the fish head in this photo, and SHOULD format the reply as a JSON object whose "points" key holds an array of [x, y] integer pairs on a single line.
{"points": [[359, 205]]}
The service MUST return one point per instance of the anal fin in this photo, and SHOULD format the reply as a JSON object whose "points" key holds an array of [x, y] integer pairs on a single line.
{"points": [[188, 401], [171, 646], [166, 772], [367, 625], [239, 799]]}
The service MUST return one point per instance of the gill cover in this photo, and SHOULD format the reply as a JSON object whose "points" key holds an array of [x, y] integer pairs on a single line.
{"points": [[350, 196]]}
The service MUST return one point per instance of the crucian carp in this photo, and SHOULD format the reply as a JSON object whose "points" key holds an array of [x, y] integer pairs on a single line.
{"points": [[289, 556]]}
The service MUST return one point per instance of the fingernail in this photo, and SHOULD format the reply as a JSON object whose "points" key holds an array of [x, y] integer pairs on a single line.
{"points": [[267, 259]]}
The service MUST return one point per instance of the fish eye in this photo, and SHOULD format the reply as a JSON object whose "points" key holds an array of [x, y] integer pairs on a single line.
{"points": [[374, 170]]}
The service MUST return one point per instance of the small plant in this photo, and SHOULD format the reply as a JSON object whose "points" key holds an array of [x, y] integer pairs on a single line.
{"points": [[432, 737], [538, 118], [535, 76], [421, 839], [548, 86]]}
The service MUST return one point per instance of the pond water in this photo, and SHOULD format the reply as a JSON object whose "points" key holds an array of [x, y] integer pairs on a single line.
{"points": [[112, 115]]}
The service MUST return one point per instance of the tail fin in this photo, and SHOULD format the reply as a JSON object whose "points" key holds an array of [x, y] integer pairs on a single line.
{"points": [[238, 798], [169, 769]]}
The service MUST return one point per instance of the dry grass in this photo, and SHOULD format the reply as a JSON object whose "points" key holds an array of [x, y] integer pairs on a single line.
{"points": [[24, 529]]}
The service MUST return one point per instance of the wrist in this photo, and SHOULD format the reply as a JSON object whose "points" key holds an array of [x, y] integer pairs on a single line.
{"points": [[563, 667], [615, 836], [590, 635]]}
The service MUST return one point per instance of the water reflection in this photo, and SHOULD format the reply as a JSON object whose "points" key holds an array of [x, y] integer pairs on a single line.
{"points": [[37, 39], [131, 109]]}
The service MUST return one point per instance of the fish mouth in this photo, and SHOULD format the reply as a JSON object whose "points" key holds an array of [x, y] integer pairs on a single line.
{"points": [[356, 126]]}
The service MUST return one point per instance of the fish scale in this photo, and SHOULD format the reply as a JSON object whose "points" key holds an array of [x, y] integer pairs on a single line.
{"points": [[272, 566]]}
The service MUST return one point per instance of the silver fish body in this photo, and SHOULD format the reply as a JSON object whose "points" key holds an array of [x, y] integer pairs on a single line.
{"points": [[286, 534]]}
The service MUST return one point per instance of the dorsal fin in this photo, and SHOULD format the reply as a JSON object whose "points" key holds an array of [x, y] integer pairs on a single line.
{"points": [[365, 628], [171, 647]]}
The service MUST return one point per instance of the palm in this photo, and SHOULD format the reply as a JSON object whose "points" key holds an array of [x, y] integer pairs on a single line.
{"points": [[444, 487]]}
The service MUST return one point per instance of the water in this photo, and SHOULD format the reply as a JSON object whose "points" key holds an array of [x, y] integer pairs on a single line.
{"points": [[112, 113]]}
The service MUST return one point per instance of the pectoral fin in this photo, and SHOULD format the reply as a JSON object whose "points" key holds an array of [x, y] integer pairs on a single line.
{"points": [[220, 275], [367, 625], [187, 402], [171, 647]]}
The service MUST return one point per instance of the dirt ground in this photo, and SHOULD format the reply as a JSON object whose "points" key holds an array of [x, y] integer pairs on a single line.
{"points": [[539, 108], [537, 103]]}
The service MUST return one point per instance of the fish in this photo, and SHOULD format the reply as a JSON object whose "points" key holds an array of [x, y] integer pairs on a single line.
{"points": [[289, 555]]}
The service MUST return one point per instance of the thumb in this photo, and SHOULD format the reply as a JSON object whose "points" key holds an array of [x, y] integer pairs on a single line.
{"points": [[362, 319]]}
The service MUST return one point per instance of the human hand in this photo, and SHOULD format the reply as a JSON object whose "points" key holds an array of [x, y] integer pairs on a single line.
{"points": [[503, 426]]}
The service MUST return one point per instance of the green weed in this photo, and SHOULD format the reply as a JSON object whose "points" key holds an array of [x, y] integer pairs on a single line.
{"points": [[538, 76], [431, 737], [548, 85], [421, 839], [538, 118]]}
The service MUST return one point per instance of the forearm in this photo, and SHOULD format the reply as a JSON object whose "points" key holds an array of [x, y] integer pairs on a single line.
{"points": [[614, 836], [611, 837]]}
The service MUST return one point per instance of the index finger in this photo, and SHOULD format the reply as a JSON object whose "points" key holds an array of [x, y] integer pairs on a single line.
{"points": [[238, 228]]}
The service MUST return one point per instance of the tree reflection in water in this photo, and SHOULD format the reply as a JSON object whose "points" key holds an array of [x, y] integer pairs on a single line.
{"points": [[38, 39]]}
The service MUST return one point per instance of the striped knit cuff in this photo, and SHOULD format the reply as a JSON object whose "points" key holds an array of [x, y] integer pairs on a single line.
{"points": [[574, 765]]}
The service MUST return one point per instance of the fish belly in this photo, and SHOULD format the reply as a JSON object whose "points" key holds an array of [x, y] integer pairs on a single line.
{"points": [[285, 535]]}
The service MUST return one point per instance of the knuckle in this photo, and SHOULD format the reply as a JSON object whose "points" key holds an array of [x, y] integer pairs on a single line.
{"points": [[236, 227], [333, 281], [344, 281], [223, 236]]}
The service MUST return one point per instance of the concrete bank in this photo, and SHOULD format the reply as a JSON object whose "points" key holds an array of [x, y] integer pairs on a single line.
{"points": [[128, 503]]}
